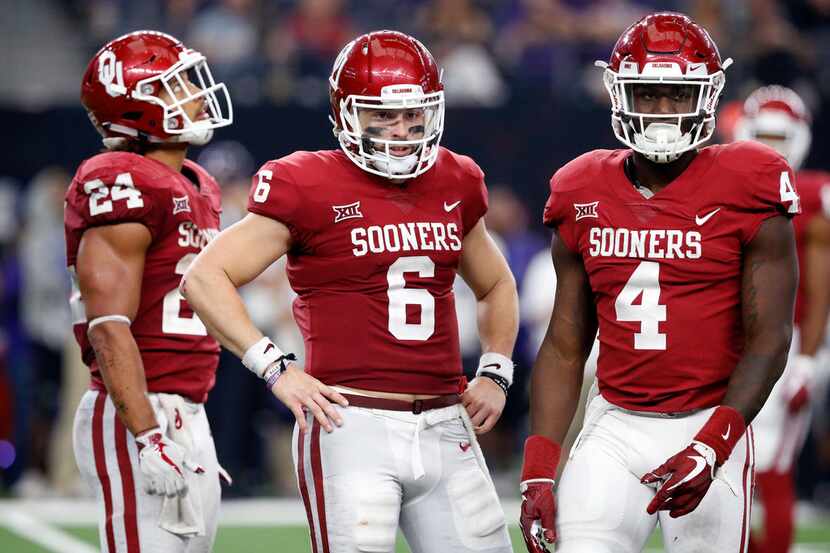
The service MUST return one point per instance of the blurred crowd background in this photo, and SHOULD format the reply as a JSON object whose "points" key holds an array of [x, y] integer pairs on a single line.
{"points": [[523, 97]]}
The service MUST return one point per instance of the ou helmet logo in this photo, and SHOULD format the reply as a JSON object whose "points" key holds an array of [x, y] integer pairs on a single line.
{"points": [[111, 74]]}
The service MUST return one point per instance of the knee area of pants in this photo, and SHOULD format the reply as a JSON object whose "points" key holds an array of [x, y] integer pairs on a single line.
{"points": [[376, 525], [475, 504]]}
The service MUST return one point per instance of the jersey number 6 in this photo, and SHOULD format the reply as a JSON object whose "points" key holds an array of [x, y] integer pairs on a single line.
{"points": [[400, 296]]}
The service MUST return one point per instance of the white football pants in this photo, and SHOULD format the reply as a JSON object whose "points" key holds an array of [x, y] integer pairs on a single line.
{"points": [[107, 457], [602, 504], [385, 468]]}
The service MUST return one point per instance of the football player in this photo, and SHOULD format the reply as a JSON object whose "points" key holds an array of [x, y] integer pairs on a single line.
{"points": [[374, 233], [136, 215], [684, 258], [777, 116]]}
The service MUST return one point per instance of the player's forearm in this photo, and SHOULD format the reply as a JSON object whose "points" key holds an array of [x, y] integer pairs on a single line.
{"points": [[753, 379], [555, 386], [123, 373], [817, 306], [213, 297], [812, 330], [770, 276], [498, 317]]}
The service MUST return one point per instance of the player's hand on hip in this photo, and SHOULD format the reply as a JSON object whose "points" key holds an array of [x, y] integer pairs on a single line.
{"points": [[163, 462], [484, 401], [299, 390], [683, 480], [537, 519]]}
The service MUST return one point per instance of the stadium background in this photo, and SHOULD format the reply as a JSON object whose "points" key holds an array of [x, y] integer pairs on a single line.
{"points": [[523, 97]]}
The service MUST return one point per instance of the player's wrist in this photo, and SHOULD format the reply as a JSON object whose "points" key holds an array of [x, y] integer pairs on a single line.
{"points": [[492, 364], [276, 369], [148, 438], [541, 457], [499, 381], [721, 432], [261, 356]]}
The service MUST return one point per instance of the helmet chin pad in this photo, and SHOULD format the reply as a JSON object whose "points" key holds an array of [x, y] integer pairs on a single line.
{"points": [[396, 165], [196, 136], [662, 142]]}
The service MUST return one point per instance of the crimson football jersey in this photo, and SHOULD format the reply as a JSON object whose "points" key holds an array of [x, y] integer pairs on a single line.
{"points": [[373, 266], [814, 191], [666, 271], [118, 187]]}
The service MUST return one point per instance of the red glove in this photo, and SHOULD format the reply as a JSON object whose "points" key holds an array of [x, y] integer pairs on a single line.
{"points": [[538, 515], [686, 476]]}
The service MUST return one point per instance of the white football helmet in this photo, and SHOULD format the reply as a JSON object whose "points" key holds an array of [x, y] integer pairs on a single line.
{"points": [[778, 117]]}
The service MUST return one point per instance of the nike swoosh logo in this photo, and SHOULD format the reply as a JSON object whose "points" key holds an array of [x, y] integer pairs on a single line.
{"points": [[700, 464], [450, 207], [496, 365], [725, 435], [702, 220]]}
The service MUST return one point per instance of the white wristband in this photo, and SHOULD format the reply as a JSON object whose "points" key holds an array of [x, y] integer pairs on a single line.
{"points": [[524, 484], [496, 363], [107, 318], [260, 355]]}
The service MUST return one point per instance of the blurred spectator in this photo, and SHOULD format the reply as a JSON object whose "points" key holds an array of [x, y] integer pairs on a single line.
{"points": [[45, 313], [302, 47], [456, 32], [14, 379], [232, 166], [227, 35]]}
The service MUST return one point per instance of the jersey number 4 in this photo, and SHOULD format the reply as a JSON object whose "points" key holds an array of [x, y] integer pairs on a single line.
{"points": [[644, 283]]}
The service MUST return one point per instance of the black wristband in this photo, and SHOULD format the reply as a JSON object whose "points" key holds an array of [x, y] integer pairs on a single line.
{"points": [[498, 379], [283, 358]]}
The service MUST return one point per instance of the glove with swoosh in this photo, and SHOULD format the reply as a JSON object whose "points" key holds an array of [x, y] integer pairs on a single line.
{"points": [[685, 478], [163, 463], [537, 519]]}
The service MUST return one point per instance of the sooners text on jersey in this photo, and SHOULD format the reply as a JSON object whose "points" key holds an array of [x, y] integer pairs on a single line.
{"points": [[666, 271], [373, 265], [118, 187]]}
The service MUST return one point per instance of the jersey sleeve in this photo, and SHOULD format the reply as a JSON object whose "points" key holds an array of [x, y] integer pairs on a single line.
{"points": [[773, 192], [113, 194], [476, 200], [275, 194], [558, 215]]}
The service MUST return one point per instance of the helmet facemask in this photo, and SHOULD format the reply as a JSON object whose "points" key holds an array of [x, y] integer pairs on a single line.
{"points": [[218, 110], [365, 145], [662, 138]]}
